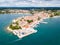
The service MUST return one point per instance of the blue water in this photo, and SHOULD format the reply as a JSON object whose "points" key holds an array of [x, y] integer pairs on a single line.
{"points": [[48, 34], [29, 8]]}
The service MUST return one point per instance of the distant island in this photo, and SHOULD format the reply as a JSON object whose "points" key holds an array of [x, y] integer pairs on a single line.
{"points": [[23, 26]]}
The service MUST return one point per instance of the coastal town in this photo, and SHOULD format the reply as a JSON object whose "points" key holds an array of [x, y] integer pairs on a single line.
{"points": [[24, 26], [26, 11], [29, 22], [14, 11]]}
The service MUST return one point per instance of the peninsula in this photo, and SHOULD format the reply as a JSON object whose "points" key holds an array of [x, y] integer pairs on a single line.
{"points": [[24, 26]]}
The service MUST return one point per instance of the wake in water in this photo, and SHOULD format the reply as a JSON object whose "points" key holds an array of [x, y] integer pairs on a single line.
{"points": [[15, 41]]}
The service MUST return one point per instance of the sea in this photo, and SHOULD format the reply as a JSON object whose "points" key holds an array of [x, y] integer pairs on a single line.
{"points": [[47, 34]]}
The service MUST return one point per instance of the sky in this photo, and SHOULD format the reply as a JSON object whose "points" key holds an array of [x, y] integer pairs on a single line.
{"points": [[29, 3]]}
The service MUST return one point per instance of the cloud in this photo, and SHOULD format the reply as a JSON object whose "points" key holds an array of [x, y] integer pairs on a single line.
{"points": [[29, 3]]}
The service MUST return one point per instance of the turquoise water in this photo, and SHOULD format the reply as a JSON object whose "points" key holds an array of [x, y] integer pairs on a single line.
{"points": [[48, 34]]}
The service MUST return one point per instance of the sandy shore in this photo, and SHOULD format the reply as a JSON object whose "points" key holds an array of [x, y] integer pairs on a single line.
{"points": [[9, 29], [56, 16]]}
